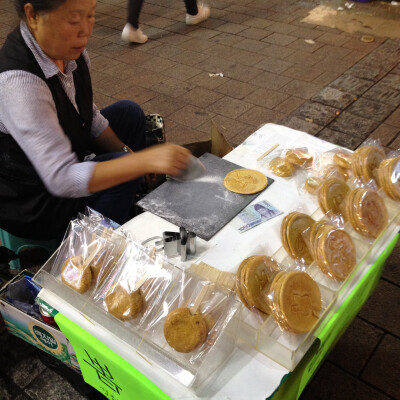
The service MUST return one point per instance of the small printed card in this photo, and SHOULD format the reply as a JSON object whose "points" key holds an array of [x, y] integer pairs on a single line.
{"points": [[254, 215]]}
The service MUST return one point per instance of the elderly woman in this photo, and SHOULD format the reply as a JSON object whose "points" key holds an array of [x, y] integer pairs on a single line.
{"points": [[58, 152]]}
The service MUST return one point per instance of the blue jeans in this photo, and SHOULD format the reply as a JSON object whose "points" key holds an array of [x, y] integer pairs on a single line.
{"points": [[127, 120]]}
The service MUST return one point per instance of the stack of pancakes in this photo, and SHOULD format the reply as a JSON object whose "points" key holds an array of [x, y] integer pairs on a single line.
{"points": [[388, 177], [295, 301], [253, 279], [366, 211]]}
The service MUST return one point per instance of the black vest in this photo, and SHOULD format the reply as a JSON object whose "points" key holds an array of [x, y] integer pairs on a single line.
{"points": [[27, 209]]}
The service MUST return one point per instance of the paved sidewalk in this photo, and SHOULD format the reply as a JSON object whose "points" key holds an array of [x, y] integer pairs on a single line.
{"points": [[275, 68]]}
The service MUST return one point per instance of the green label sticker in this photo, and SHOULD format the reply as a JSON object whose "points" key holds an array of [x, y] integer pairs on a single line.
{"points": [[46, 338]]}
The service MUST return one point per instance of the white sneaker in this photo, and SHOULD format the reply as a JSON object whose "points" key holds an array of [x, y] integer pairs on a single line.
{"points": [[202, 14], [132, 35]]}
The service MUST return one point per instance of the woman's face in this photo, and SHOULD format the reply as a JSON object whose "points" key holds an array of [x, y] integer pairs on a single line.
{"points": [[63, 33]]}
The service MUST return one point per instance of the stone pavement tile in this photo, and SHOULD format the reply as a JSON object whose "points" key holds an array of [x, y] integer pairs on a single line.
{"points": [[191, 116], [204, 33], [250, 45], [340, 138], [355, 347], [277, 51], [334, 64], [201, 97], [159, 64], [302, 46], [234, 18], [135, 57], [102, 63], [230, 107], [51, 386], [236, 89], [182, 134], [102, 32], [289, 105], [215, 64], [354, 125], [161, 22], [392, 80], [163, 105], [269, 80], [300, 124], [335, 384], [394, 119], [168, 51], [384, 94], [332, 51], [247, 58], [303, 89], [354, 56], [280, 27], [229, 127], [391, 270], [26, 371], [279, 39], [112, 50], [258, 116], [385, 133], [247, 74], [266, 98], [351, 84], [333, 97], [382, 308], [112, 85], [220, 51], [226, 39], [182, 72], [302, 72], [366, 72], [383, 369], [333, 39], [190, 57], [317, 113], [274, 65], [174, 38], [230, 27], [254, 33], [7, 389], [395, 145], [303, 58], [371, 109], [204, 80], [259, 23], [13, 353], [212, 23], [136, 93], [102, 100]]}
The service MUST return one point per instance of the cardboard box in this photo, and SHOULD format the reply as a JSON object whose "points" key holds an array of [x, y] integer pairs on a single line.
{"points": [[36, 332]]}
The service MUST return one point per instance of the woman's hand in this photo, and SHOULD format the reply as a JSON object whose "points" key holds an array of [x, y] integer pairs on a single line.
{"points": [[165, 158]]}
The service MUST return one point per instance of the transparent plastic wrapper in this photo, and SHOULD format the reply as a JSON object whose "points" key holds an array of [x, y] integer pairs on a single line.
{"points": [[285, 162], [253, 279], [136, 286], [366, 159], [387, 176], [191, 321], [331, 194], [292, 228], [332, 248], [84, 259], [366, 211], [295, 301]]}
